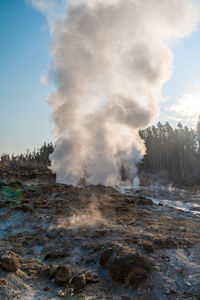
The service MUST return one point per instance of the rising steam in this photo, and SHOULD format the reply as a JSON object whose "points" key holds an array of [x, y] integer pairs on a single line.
{"points": [[111, 59]]}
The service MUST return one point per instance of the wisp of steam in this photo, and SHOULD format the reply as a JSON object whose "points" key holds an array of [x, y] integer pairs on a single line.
{"points": [[111, 59]]}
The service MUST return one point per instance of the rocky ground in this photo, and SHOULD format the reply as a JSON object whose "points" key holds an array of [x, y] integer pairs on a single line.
{"points": [[96, 242]]}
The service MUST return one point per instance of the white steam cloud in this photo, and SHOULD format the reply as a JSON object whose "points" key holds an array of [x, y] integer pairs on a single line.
{"points": [[111, 59]]}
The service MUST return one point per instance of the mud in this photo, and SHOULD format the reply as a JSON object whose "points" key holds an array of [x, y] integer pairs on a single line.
{"points": [[148, 240]]}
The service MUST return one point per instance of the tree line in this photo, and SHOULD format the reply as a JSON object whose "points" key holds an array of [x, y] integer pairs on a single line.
{"points": [[175, 151], [38, 158]]}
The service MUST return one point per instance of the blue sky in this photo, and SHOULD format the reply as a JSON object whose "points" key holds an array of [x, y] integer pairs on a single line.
{"points": [[24, 48], [25, 55], [183, 88]]}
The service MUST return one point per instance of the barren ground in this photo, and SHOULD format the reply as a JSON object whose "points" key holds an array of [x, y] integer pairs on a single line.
{"points": [[124, 244]]}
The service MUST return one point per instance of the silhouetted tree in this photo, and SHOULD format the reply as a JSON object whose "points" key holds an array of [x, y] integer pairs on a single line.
{"points": [[175, 150], [39, 158]]}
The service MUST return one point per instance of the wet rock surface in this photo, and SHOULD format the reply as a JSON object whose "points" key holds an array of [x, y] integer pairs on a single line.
{"points": [[62, 242]]}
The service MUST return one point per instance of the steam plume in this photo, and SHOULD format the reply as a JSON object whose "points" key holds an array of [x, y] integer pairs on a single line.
{"points": [[111, 59]]}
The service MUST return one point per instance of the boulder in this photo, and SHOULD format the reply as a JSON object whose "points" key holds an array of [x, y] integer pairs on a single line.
{"points": [[78, 282], [91, 276], [9, 261], [62, 274], [54, 254], [125, 266]]}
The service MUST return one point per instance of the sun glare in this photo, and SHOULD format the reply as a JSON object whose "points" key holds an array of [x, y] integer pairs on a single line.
{"points": [[188, 105]]}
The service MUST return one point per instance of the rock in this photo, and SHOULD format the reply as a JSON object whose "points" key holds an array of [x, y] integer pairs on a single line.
{"points": [[52, 235], [78, 282], [53, 269], [143, 201], [55, 254], [61, 294], [10, 261], [125, 266], [29, 266], [3, 282], [62, 274], [34, 268], [106, 254], [91, 276]]}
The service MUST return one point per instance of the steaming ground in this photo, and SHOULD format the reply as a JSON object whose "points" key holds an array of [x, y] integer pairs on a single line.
{"points": [[134, 248], [111, 59]]}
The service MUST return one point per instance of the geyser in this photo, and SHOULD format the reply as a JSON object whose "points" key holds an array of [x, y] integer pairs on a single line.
{"points": [[111, 59]]}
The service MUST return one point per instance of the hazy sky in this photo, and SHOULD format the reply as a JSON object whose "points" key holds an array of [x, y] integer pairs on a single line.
{"points": [[25, 58]]}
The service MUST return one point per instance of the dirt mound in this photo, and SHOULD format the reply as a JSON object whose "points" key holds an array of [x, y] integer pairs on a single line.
{"points": [[125, 266]]}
